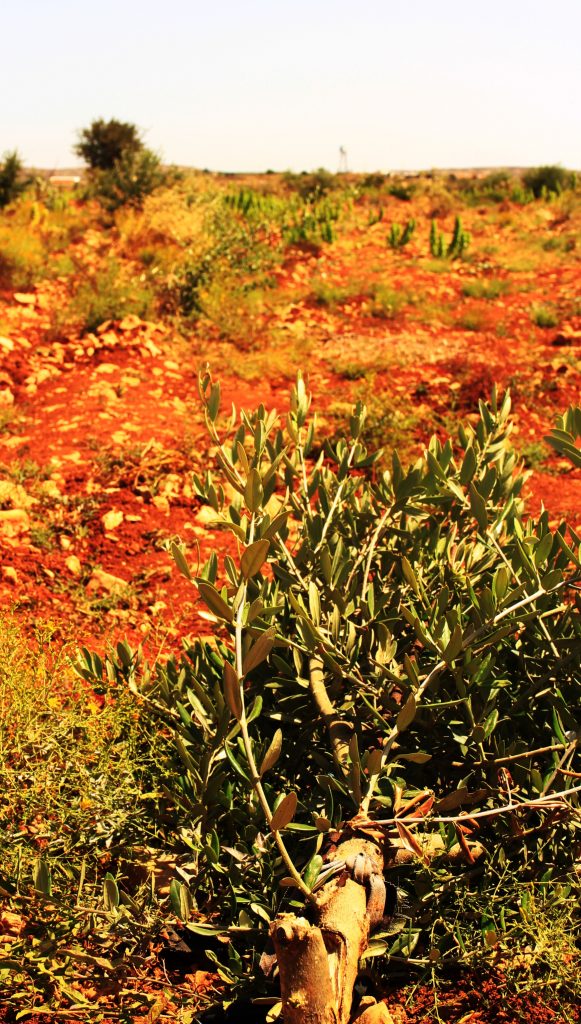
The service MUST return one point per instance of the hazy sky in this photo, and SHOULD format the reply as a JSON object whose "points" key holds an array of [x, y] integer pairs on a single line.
{"points": [[257, 84]]}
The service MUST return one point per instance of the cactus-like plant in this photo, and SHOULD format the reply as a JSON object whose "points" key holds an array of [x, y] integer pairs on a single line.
{"points": [[457, 245], [399, 237]]}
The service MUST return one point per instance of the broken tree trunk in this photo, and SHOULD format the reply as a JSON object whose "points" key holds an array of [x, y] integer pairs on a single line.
{"points": [[318, 960]]}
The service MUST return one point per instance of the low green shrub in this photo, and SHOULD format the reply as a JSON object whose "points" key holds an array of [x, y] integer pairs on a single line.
{"points": [[23, 256], [333, 295], [385, 302]]}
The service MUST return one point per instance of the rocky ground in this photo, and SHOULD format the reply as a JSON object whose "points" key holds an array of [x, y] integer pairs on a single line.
{"points": [[100, 431]]}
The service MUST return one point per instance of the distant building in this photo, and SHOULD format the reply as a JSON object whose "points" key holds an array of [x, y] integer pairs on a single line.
{"points": [[64, 180]]}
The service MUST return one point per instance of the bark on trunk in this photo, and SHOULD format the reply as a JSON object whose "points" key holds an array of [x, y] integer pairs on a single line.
{"points": [[318, 962]]}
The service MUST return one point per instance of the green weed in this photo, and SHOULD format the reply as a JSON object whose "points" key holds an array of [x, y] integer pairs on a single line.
{"points": [[486, 288], [544, 316], [386, 302], [473, 320], [108, 295], [333, 295]]}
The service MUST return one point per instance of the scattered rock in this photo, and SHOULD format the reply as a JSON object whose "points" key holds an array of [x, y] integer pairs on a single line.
{"points": [[25, 298], [171, 485], [129, 323], [119, 437], [50, 489], [150, 348], [11, 924], [112, 519], [14, 522], [206, 515], [6, 397], [9, 574], [101, 580], [7, 344], [15, 440], [15, 495], [156, 608], [109, 339], [103, 390], [73, 564]]}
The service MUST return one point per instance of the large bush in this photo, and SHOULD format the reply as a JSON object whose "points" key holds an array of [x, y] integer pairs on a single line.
{"points": [[103, 143], [396, 663], [135, 175]]}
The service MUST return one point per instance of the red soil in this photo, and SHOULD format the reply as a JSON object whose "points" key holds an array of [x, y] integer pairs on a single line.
{"points": [[111, 422]]}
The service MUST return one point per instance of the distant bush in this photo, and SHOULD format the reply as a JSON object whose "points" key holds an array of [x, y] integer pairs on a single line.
{"points": [[311, 186], [548, 180], [136, 174], [104, 143], [493, 188], [12, 181], [373, 181], [521, 195], [403, 192]]}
